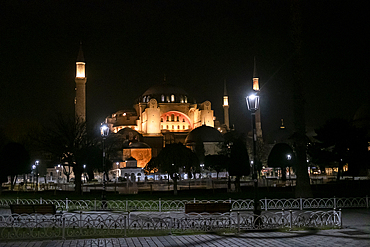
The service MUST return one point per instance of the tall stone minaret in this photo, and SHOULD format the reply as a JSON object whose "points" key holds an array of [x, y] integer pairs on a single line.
{"points": [[256, 88], [80, 99], [226, 108]]}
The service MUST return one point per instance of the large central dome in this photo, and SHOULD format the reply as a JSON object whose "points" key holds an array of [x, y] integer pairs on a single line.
{"points": [[165, 89], [165, 93]]}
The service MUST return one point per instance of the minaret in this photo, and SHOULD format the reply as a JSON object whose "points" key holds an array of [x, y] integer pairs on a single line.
{"points": [[226, 108], [80, 99], [256, 88]]}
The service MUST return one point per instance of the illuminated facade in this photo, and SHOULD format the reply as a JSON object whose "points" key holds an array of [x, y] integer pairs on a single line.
{"points": [[163, 110]]}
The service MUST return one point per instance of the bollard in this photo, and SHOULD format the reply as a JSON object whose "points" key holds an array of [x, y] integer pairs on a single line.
{"points": [[300, 204], [63, 227], [238, 221], [95, 204], [160, 205], [340, 217], [194, 199], [40, 200]]}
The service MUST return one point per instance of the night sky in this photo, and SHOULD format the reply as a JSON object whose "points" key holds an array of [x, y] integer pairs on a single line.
{"points": [[129, 46]]}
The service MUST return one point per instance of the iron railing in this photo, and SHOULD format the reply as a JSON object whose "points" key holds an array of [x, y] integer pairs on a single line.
{"points": [[179, 205], [77, 225]]}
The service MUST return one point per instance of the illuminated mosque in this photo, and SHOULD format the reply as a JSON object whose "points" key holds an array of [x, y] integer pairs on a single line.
{"points": [[163, 114]]}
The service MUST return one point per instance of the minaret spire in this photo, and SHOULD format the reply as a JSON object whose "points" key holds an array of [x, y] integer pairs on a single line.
{"points": [[226, 108], [256, 88], [80, 79]]}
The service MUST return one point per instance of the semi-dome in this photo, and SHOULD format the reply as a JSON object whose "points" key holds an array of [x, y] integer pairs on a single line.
{"points": [[204, 134], [128, 144]]}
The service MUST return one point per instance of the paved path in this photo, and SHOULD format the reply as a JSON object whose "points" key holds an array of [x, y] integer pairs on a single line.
{"points": [[355, 232]]}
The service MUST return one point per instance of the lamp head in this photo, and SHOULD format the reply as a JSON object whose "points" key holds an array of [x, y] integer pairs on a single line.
{"points": [[252, 102], [104, 130]]}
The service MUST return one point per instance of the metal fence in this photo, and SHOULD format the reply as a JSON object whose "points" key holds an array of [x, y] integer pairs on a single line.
{"points": [[179, 205], [72, 225]]}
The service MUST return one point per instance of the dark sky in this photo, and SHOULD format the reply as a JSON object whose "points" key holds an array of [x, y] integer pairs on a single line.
{"points": [[129, 45]]}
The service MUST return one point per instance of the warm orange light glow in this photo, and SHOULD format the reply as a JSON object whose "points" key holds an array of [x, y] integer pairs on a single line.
{"points": [[256, 86], [226, 101], [80, 69]]}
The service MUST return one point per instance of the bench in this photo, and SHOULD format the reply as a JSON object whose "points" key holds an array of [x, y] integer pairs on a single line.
{"points": [[208, 207], [33, 209]]}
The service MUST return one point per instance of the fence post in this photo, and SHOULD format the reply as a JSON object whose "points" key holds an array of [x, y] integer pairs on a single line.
{"points": [[126, 205], [367, 201], [95, 204], [290, 218], [125, 224], [265, 204], [40, 200], [238, 221], [300, 204], [335, 202], [17, 200], [160, 205], [63, 227], [340, 217], [194, 199], [67, 204]]}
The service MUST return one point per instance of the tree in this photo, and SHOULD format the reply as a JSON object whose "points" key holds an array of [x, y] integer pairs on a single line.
{"points": [[14, 160], [174, 157], [340, 143], [239, 160], [69, 141], [216, 162], [282, 156]]}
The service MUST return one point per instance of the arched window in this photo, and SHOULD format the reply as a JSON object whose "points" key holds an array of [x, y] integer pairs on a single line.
{"points": [[183, 120], [178, 127], [166, 126], [186, 99], [167, 118], [178, 118], [182, 99], [162, 98], [162, 119], [172, 117], [183, 127], [172, 98], [168, 98]]}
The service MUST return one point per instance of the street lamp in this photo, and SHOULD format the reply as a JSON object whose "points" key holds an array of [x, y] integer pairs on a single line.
{"points": [[36, 168], [104, 131], [253, 104]]}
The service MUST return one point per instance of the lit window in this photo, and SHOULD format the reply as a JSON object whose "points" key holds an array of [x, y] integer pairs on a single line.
{"points": [[178, 127], [178, 118], [182, 99], [183, 127], [172, 98], [162, 98], [168, 98], [172, 117], [183, 120], [186, 99]]}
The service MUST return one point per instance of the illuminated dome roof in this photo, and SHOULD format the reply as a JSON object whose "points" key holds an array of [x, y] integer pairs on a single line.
{"points": [[135, 145], [165, 93], [165, 89], [204, 134]]}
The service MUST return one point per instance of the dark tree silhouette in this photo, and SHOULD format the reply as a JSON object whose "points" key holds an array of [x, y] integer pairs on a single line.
{"points": [[68, 140], [239, 160], [174, 157], [282, 156], [341, 143], [15, 160], [216, 162]]}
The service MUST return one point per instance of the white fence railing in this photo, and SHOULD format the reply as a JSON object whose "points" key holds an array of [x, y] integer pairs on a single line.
{"points": [[72, 225], [179, 205]]}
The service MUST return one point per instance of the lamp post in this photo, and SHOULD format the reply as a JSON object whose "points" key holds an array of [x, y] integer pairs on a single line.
{"points": [[104, 131], [253, 104], [36, 168]]}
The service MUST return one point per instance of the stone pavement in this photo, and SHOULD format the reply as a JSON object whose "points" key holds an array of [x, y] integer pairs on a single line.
{"points": [[355, 232]]}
